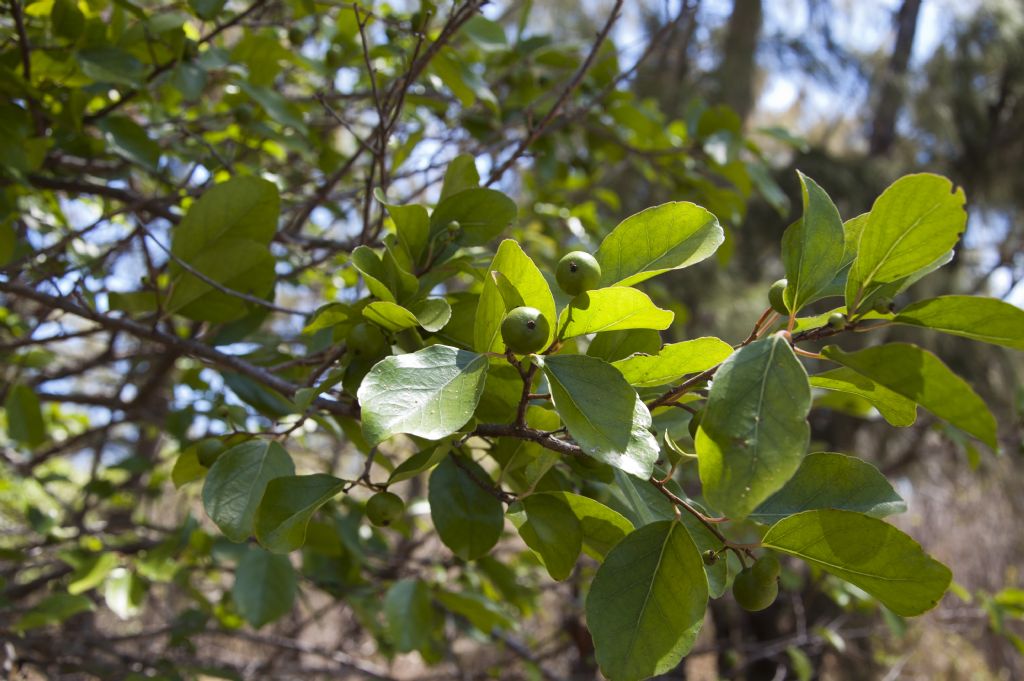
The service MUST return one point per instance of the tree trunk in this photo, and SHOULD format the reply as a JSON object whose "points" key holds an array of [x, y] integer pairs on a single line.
{"points": [[891, 85], [739, 49]]}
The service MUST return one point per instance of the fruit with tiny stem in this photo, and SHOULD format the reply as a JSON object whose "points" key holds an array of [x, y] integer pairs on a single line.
{"points": [[710, 557], [775, 296], [837, 320], [384, 508], [524, 330], [454, 228], [366, 339], [577, 272], [757, 587]]}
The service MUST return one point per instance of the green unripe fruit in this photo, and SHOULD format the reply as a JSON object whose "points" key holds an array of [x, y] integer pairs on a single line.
{"points": [[775, 298], [366, 339], [695, 423], [710, 557], [766, 567], [524, 330], [384, 508], [296, 36], [753, 592], [578, 272], [882, 305], [837, 320], [454, 228]]}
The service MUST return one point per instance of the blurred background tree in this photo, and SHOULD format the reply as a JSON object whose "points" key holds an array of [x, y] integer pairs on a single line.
{"points": [[117, 114]]}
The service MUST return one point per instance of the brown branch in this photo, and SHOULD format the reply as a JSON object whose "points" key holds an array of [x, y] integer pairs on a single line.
{"points": [[570, 87]]}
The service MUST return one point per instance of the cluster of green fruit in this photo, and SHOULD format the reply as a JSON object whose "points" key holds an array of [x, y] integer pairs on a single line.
{"points": [[524, 329]]}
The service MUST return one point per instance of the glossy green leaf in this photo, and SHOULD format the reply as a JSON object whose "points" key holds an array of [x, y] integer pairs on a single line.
{"points": [[989, 320], [410, 615], [288, 504], [830, 480], [812, 247], [553, 531], [432, 314], [523, 275], [461, 173], [674, 361], [431, 393], [867, 553], [602, 412], [913, 223], [666, 237], [390, 316], [24, 416], [920, 376], [611, 309], [468, 518], [647, 602], [754, 432], [412, 224], [236, 482], [265, 587], [895, 408], [482, 214]]}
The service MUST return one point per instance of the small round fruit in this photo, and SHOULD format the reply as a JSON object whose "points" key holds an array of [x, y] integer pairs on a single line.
{"points": [[695, 423], [454, 228], [775, 296], [366, 339], [384, 508], [753, 593], [578, 272], [296, 36], [710, 557], [882, 305], [524, 330], [837, 320], [766, 567]]}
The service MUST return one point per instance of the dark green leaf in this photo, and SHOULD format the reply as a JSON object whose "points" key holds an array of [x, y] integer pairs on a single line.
{"points": [[24, 416], [265, 587], [867, 553], [754, 432], [829, 480], [410, 615], [482, 214], [984, 319], [288, 504], [553, 531], [468, 518], [236, 482], [647, 602]]}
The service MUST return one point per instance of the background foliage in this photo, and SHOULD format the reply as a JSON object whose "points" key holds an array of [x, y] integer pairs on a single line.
{"points": [[188, 192]]}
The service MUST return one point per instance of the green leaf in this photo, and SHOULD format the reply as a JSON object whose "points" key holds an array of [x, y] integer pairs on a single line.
{"points": [[522, 274], [419, 462], [432, 314], [916, 221], [647, 602], [265, 587], [187, 467], [225, 236], [412, 224], [431, 393], [8, 241], [483, 214], [480, 611], [666, 237], [131, 140], [467, 517], [24, 416], [390, 316], [111, 65], [53, 609], [602, 412], [553, 531], [989, 320], [288, 504], [124, 593], [602, 527], [612, 309], [812, 247], [867, 553], [673, 362], [920, 376], [754, 432], [830, 480], [383, 275], [410, 615], [612, 346], [236, 482], [896, 409], [91, 572], [207, 9], [461, 173]]}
